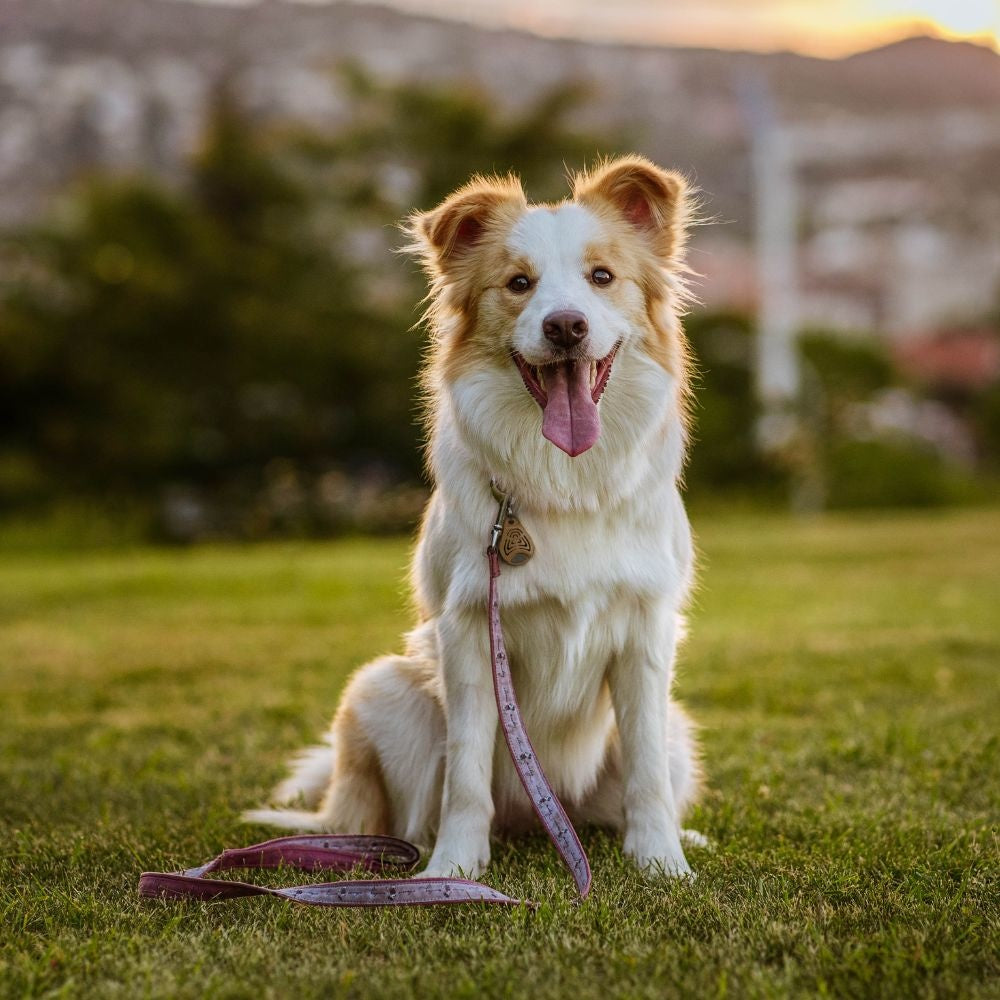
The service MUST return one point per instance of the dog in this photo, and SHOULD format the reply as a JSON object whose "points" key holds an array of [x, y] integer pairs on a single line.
{"points": [[558, 369]]}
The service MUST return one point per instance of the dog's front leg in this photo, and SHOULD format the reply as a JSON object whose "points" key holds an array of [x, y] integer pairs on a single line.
{"points": [[639, 679], [463, 841]]}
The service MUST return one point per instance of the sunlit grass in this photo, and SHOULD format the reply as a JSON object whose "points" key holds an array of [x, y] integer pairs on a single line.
{"points": [[844, 671]]}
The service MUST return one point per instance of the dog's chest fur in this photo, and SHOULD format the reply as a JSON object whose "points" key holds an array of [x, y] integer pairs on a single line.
{"points": [[568, 613]]}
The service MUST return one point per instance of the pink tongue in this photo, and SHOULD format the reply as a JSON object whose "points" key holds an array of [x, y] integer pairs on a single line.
{"points": [[570, 419]]}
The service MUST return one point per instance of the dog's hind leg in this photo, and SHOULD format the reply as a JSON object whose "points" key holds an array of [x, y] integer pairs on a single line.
{"points": [[683, 758], [605, 805], [686, 775], [385, 754]]}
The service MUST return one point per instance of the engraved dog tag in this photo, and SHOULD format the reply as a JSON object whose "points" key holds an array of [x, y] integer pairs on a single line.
{"points": [[515, 547]]}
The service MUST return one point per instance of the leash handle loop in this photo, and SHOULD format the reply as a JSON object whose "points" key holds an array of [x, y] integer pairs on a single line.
{"points": [[341, 853], [336, 852]]}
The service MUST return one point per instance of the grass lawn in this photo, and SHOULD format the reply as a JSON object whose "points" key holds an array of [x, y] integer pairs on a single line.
{"points": [[845, 671]]}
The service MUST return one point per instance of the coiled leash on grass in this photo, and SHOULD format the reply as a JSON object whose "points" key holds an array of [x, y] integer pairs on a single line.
{"points": [[319, 853], [509, 542]]}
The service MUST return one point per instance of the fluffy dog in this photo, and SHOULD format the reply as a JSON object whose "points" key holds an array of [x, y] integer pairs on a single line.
{"points": [[558, 369]]}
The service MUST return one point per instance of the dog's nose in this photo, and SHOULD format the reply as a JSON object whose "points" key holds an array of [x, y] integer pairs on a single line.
{"points": [[565, 328]]}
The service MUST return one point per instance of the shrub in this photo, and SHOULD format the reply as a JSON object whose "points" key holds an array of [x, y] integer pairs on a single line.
{"points": [[890, 474]]}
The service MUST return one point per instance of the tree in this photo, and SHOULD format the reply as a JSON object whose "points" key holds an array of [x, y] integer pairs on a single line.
{"points": [[152, 336]]}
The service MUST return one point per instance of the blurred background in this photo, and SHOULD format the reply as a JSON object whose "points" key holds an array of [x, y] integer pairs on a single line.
{"points": [[204, 332]]}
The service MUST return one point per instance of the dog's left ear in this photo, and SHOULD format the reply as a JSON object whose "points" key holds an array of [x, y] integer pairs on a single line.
{"points": [[654, 201]]}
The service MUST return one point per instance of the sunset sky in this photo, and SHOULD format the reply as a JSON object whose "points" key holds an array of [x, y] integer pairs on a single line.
{"points": [[817, 27]]}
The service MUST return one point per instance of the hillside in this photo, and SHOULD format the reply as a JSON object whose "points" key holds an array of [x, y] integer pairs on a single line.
{"points": [[122, 85]]}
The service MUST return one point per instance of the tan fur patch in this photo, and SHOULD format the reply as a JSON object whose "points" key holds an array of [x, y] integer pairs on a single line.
{"points": [[628, 253], [651, 200], [357, 795]]}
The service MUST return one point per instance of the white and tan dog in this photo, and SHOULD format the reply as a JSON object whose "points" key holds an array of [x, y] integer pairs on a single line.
{"points": [[558, 368]]}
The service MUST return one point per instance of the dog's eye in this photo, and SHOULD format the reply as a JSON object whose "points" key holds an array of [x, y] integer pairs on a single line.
{"points": [[519, 283], [601, 276]]}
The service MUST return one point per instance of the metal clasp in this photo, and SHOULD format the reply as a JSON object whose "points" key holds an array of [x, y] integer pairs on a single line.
{"points": [[507, 507]]}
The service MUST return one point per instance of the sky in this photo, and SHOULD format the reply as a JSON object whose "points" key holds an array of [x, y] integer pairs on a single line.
{"points": [[815, 27]]}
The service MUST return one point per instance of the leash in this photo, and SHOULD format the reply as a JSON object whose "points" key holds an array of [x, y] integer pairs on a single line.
{"points": [[510, 543], [341, 853]]}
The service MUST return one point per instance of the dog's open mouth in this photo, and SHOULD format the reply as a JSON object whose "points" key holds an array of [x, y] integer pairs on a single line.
{"points": [[568, 392]]}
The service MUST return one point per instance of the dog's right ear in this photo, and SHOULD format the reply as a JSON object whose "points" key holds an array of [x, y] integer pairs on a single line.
{"points": [[444, 236]]}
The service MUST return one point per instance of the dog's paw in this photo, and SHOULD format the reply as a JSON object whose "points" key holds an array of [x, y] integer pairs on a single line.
{"points": [[457, 863], [658, 855], [664, 866]]}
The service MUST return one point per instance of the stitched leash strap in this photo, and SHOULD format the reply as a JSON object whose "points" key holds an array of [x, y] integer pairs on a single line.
{"points": [[344, 853], [543, 799], [322, 853]]}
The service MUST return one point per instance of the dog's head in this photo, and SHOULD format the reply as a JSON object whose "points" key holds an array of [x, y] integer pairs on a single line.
{"points": [[556, 295]]}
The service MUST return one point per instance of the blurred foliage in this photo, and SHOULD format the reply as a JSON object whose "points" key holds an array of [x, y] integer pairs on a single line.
{"points": [[891, 473], [419, 143], [234, 355], [725, 456], [847, 370], [985, 415], [856, 456], [237, 352], [181, 335], [879, 440]]}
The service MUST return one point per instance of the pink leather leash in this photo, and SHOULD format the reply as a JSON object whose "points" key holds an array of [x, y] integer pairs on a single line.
{"points": [[529, 769], [342, 853], [345, 852]]}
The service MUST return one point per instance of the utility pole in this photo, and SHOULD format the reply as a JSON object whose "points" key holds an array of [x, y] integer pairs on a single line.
{"points": [[789, 398], [782, 430], [776, 373]]}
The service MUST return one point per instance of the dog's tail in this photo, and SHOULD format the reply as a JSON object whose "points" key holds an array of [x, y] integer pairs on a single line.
{"points": [[312, 769], [287, 819], [304, 787]]}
